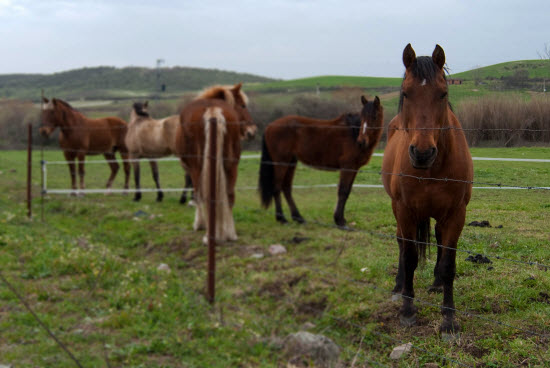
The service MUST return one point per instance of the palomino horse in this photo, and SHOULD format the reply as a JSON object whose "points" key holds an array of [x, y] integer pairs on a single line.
{"points": [[81, 136], [226, 107], [345, 143], [151, 138], [427, 171]]}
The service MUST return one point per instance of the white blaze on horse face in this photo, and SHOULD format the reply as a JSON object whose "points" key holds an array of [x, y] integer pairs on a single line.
{"points": [[365, 127], [423, 83], [48, 106]]}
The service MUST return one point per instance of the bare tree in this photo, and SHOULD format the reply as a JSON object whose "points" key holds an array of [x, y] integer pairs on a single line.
{"points": [[545, 53]]}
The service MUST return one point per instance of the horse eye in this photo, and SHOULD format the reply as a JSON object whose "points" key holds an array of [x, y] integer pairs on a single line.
{"points": [[443, 95], [244, 106], [405, 95]]}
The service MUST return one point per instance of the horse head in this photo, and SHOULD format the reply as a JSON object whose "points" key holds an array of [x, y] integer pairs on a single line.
{"points": [[51, 116], [372, 120], [248, 128], [139, 109], [423, 104]]}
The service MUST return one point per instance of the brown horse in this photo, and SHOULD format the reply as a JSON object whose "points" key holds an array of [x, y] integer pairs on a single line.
{"points": [[151, 138], [81, 136], [226, 107], [345, 143], [426, 141]]}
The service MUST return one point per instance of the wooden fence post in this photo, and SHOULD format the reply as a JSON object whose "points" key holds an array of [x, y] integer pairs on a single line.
{"points": [[29, 170]]}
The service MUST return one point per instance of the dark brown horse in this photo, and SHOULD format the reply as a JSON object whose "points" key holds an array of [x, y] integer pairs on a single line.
{"points": [[226, 107], [81, 136], [426, 141], [345, 143]]}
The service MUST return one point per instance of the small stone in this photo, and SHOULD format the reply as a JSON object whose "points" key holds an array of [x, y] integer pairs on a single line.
{"points": [[308, 326], [275, 249], [400, 350], [163, 267], [257, 255], [320, 349]]}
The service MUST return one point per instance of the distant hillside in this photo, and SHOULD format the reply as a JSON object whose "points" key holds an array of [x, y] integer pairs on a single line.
{"points": [[537, 69], [109, 82], [327, 82]]}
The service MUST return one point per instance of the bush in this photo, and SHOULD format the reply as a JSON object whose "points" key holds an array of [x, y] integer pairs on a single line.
{"points": [[505, 121], [14, 118]]}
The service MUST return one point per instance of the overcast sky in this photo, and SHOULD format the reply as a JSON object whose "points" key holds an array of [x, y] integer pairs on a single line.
{"points": [[275, 38]]}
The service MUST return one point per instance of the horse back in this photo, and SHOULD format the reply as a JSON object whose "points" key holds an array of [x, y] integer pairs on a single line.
{"points": [[323, 143]]}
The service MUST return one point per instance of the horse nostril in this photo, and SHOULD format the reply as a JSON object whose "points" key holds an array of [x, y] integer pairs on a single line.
{"points": [[412, 150]]}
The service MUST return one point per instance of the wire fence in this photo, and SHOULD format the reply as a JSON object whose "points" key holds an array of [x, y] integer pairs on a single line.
{"points": [[543, 266]]}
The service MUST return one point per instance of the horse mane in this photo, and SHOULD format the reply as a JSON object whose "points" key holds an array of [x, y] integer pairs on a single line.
{"points": [[138, 108], [65, 104], [353, 120], [222, 93], [423, 68]]}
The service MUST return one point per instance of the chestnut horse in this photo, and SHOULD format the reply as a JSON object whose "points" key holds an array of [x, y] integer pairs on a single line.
{"points": [[426, 141], [226, 107], [151, 138], [345, 143], [81, 136]]}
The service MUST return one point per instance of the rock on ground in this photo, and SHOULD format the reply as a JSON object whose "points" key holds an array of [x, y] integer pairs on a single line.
{"points": [[322, 350]]}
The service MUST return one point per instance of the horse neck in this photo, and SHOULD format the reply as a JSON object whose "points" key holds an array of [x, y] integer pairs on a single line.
{"points": [[72, 118]]}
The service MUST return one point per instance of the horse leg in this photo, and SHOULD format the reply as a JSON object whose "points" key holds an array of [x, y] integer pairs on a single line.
{"points": [[437, 286], [280, 172], [287, 190], [200, 208], [344, 188], [70, 157], [188, 185], [135, 164], [450, 232], [398, 289], [81, 172], [408, 262], [111, 159], [126, 166], [155, 171]]}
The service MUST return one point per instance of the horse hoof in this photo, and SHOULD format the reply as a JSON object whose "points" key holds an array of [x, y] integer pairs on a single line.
{"points": [[407, 321], [344, 227], [299, 220], [183, 200], [450, 337], [448, 328], [282, 220], [435, 289]]}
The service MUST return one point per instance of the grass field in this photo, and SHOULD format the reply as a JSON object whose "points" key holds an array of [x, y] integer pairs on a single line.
{"points": [[89, 270]]}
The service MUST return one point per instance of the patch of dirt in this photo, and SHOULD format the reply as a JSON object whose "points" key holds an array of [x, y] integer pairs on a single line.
{"points": [[313, 307], [542, 298], [279, 288], [474, 350]]}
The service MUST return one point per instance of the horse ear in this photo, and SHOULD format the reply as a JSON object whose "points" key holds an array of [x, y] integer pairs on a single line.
{"points": [[54, 101], [438, 56], [45, 100], [146, 104], [376, 101], [409, 56], [364, 101], [237, 87]]}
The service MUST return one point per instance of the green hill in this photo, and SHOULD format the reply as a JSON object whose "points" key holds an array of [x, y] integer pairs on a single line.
{"points": [[109, 82], [537, 69], [327, 82]]}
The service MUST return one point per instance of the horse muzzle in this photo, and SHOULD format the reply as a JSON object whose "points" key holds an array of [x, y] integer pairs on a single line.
{"points": [[45, 132], [422, 159]]}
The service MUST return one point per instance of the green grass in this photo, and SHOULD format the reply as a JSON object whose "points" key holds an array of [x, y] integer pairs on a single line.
{"points": [[90, 272]]}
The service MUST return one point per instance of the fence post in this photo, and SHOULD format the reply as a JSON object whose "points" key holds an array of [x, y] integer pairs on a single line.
{"points": [[29, 170], [211, 234]]}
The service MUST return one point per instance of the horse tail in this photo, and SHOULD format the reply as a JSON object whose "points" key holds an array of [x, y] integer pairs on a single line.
{"points": [[423, 238], [266, 184], [225, 226]]}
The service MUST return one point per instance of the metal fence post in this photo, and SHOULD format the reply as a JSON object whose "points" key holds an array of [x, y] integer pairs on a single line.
{"points": [[211, 283], [29, 171]]}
